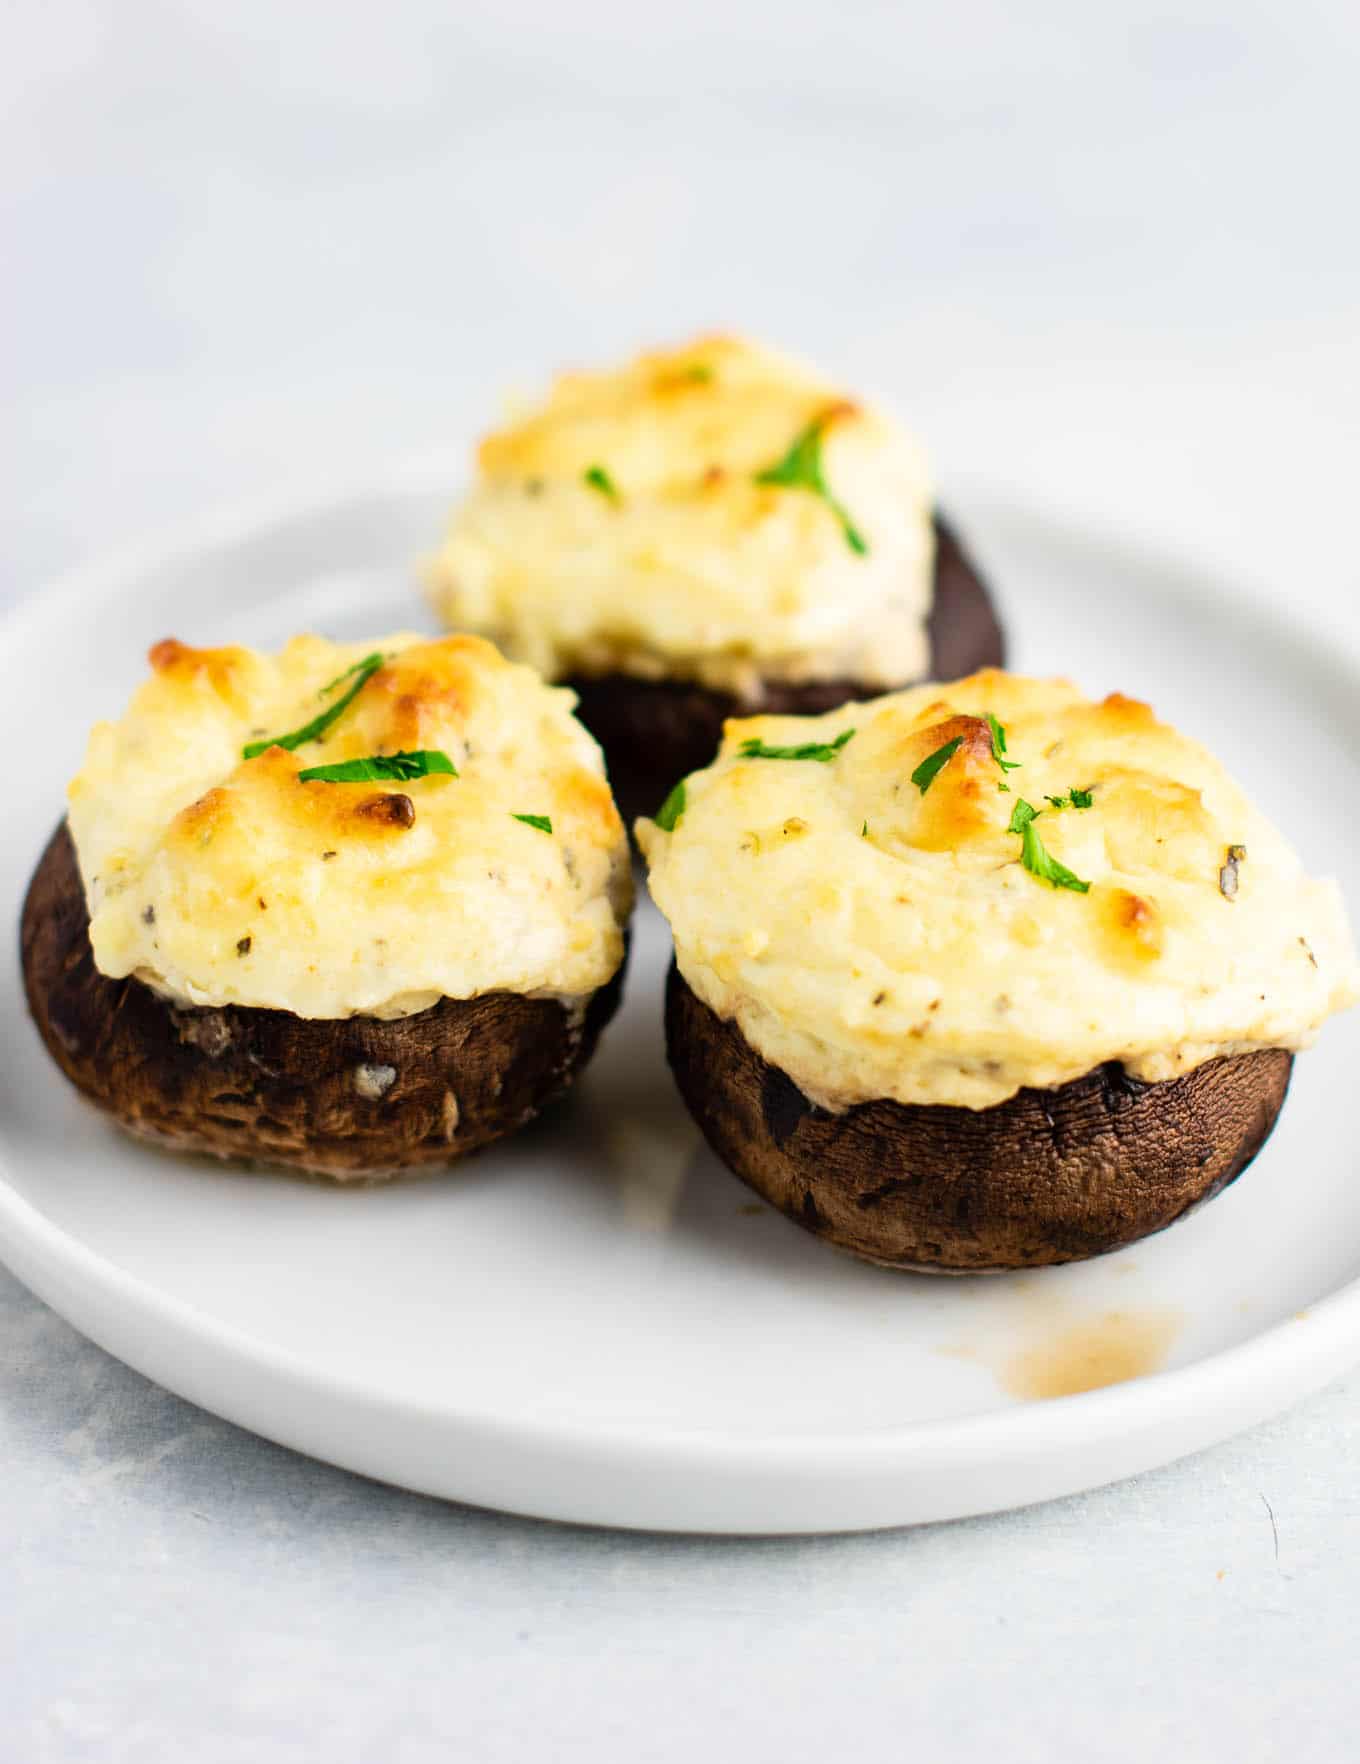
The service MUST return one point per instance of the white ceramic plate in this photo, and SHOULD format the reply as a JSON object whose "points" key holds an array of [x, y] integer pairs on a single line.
{"points": [[596, 1322]]}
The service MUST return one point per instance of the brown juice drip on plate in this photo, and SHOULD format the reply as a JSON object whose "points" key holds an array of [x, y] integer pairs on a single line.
{"points": [[1092, 1353]]}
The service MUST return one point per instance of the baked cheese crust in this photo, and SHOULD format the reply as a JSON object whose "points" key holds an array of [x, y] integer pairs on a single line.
{"points": [[219, 880], [621, 527], [874, 940]]}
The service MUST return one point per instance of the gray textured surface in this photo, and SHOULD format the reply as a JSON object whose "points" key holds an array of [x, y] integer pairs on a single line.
{"points": [[181, 1589], [1102, 257]]}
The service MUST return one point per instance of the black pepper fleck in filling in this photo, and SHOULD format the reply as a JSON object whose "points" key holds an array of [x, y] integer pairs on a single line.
{"points": [[1303, 944], [149, 915], [243, 946], [326, 856]]}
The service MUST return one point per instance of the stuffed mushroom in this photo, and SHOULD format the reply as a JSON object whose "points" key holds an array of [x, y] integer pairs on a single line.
{"points": [[709, 531], [987, 975], [351, 908]]}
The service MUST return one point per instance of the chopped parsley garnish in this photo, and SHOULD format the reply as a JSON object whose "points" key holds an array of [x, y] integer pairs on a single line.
{"points": [[864, 831], [930, 767], [801, 469], [1033, 854], [999, 745], [378, 768], [363, 672], [1077, 799], [354, 668], [1039, 862], [599, 479], [699, 373], [542, 822], [668, 815], [822, 751]]}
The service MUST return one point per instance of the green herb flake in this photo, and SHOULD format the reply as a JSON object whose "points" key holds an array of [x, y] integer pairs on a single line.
{"points": [[864, 831], [668, 815], [821, 751], [1034, 855], [801, 469], [999, 745], [380, 768], [699, 373], [1077, 799], [542, 822], [369, 661], [363, 672], [599, 479], [1039, 862], [930, 767]]}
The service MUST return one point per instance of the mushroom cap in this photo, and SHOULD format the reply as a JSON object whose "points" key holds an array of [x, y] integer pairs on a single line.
{"points": [[1047, 1176], [348, 1098]]}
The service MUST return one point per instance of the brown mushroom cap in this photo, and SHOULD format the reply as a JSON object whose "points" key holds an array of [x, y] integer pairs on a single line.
{"points": [[654, 732], [1048, 1176], [353, 1098]]}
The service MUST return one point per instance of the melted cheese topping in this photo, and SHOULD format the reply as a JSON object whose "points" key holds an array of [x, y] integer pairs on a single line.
{"points": [[218, 880], [690, 568], [877, 942]]}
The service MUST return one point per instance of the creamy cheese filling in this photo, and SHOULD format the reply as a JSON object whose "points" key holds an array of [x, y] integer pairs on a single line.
{"points": [[874, 940], [624, 527], [220, 880]]}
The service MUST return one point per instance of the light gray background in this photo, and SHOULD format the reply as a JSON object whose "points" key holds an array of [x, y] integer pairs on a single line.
{"points": [[1105, 259]]}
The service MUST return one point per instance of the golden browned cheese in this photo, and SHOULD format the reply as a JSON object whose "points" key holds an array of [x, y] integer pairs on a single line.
{"points": [[223, 880], [621, 527], [875, 940]]}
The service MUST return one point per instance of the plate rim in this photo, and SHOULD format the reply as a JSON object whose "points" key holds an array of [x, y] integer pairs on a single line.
{"points": [[1254, 1378]]}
